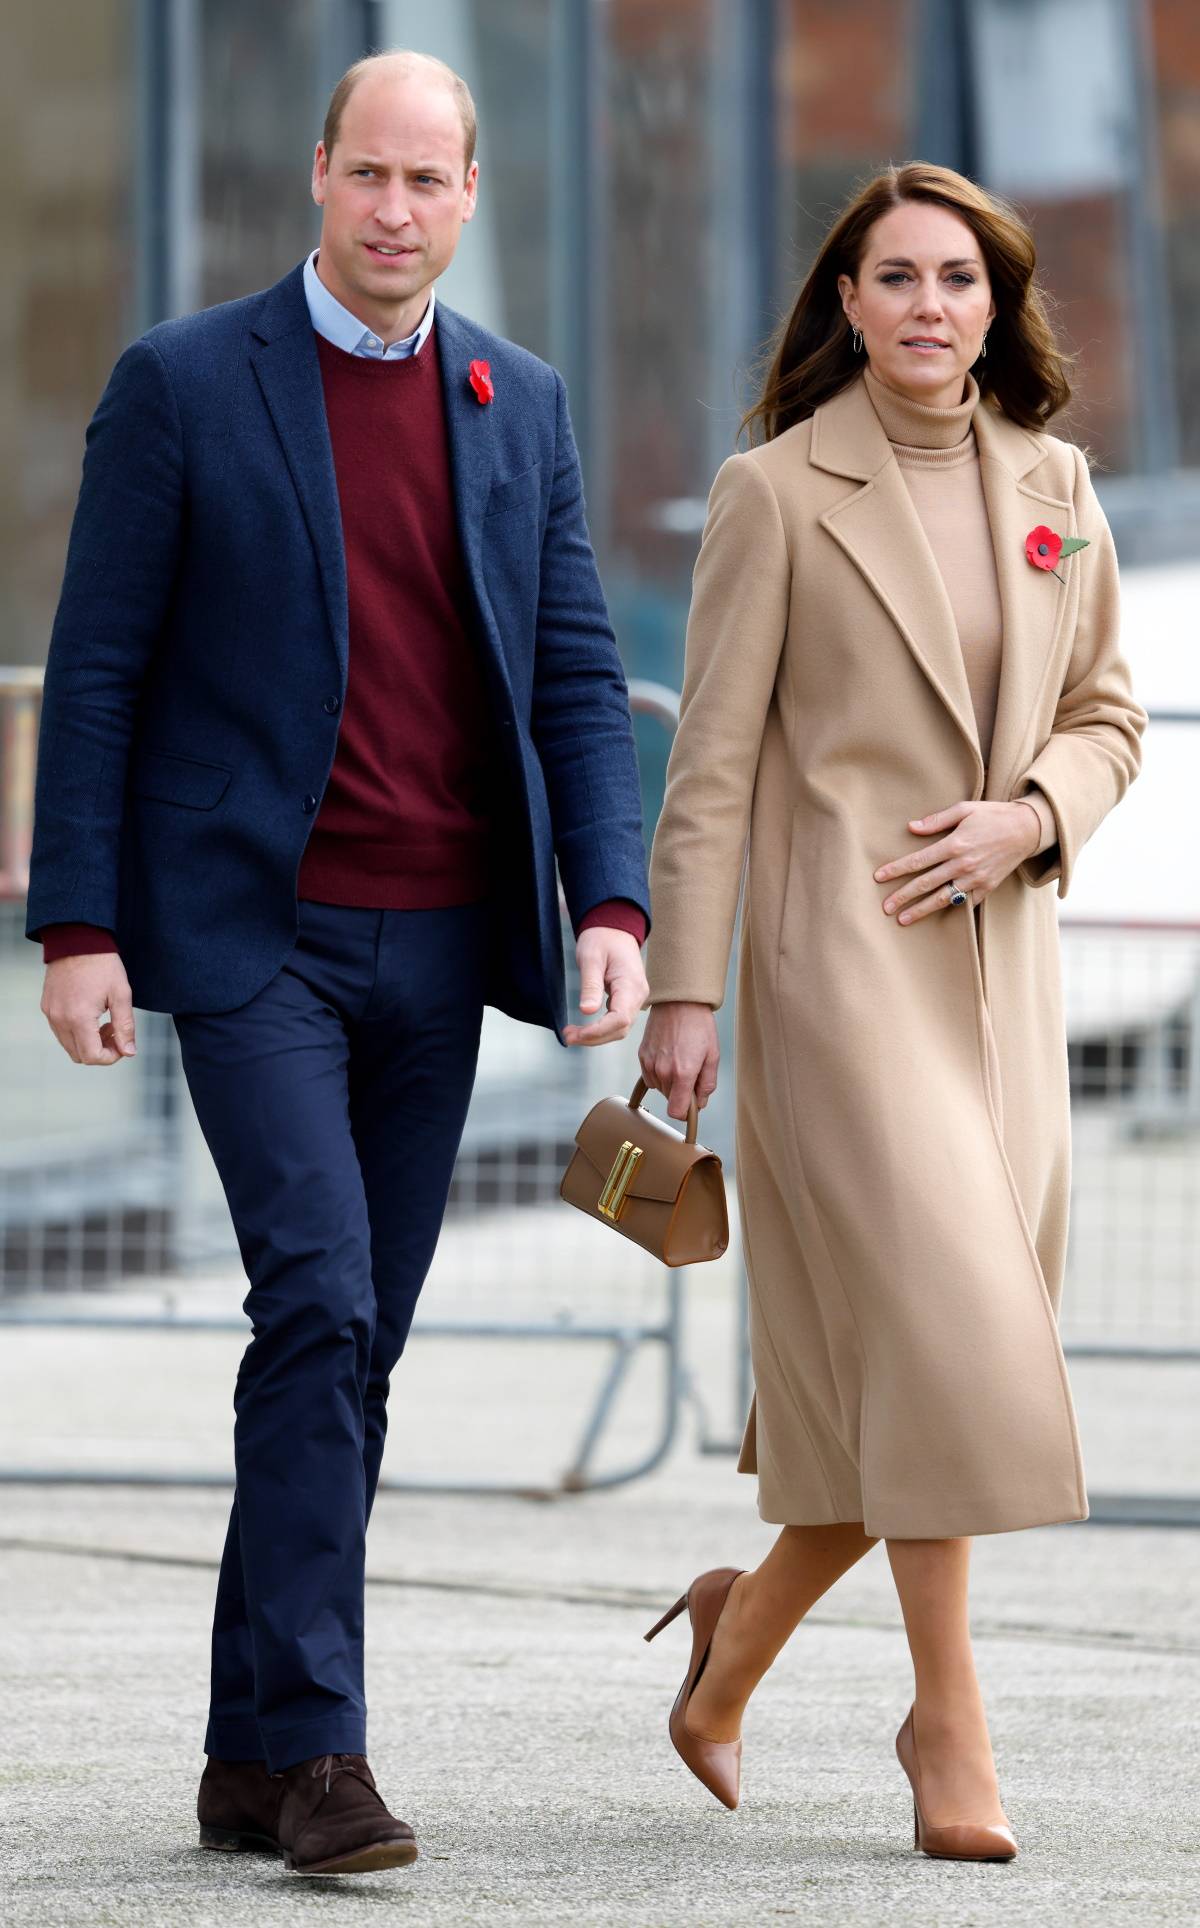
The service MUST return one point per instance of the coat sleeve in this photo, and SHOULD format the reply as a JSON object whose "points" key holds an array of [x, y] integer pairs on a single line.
{"points": [[735, 635], [580, 715], [120, 569], [1094, 749]]}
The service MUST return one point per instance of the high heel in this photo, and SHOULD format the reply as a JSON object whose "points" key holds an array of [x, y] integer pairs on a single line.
{"points": [[718, 1764], [672, 1613], [957, 1840]]}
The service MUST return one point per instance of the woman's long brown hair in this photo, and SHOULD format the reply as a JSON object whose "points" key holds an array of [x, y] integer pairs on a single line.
{"points": [[811, 358]]}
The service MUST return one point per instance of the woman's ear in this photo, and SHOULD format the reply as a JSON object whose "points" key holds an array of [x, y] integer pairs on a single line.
{"points": [[845, 288]]}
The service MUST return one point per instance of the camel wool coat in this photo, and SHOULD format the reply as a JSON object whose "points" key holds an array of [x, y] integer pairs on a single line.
{"points": [[903, 1162]]}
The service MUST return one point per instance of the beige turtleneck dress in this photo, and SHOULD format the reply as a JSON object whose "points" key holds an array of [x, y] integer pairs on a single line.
{"points": [[939, 460]]}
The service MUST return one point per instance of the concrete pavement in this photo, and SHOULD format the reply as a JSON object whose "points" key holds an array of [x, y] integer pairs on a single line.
{"points": [[518, 1719]]}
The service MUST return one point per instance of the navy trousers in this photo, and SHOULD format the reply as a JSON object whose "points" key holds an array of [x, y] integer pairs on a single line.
{"points": [[333, 1104]]}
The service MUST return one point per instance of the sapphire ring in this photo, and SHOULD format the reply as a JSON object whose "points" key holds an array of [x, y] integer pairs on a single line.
{"points": [[957, 896]]}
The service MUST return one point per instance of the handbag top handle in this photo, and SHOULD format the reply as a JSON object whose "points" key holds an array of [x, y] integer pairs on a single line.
{"points": [[693, 1117]]}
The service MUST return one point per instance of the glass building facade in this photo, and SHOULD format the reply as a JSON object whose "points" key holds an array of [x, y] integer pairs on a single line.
{"points": [[654, 177]]}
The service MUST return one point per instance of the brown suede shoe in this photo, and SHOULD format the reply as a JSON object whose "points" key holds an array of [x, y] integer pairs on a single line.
{"points": [[332, 1819], [238, 1806]]}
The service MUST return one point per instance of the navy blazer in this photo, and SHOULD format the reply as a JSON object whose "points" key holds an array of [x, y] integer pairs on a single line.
{"points": [[202, 631]]}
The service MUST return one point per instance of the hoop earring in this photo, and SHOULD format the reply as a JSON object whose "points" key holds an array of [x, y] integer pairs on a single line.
{"points": [[856, 340]]}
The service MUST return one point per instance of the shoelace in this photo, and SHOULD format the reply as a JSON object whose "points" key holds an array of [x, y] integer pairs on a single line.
{"points": [[331, 1764]]}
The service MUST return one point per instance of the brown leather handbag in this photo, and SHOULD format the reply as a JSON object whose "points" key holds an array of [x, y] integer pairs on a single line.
{"points": [[664, 1192]]}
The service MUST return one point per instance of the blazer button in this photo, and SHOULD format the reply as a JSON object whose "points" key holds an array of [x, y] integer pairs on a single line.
{"points": [[332, 705], [309, 805]]}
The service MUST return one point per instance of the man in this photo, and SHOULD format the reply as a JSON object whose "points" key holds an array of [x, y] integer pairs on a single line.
{"points": [[330, 687]]}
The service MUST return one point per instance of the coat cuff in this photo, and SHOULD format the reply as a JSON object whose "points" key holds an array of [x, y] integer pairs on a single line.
{"points": [[74, 940], [1044, 865], [615, 914], [1040, 804]]}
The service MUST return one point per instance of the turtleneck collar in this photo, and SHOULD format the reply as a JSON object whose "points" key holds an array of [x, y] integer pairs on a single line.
{"points": [[916, 425]]}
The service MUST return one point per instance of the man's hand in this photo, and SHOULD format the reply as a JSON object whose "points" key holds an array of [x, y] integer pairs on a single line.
{"points": [[979, 845], [77, 993], [679, 1054], [609, 961]]}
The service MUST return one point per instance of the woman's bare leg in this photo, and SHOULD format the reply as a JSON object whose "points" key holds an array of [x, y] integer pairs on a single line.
{"points": [[958, 1775], [762, 1611]]}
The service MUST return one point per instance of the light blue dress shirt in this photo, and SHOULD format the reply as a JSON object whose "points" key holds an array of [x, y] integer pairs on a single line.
{"points": [[347, 332]]}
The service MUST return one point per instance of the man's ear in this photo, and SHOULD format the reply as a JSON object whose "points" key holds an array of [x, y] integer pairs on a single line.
{"points": [[470, 191], [320, 173]]}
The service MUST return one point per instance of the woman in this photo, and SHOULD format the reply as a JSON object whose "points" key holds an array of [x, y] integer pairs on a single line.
{"points": [[913, 705]]}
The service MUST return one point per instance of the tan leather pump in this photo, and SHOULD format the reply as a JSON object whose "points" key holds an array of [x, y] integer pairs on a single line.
{"points": [[956, 1840], [717, 1763]]}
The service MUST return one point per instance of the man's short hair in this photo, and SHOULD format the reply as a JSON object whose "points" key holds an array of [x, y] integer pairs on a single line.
{"points": [[409, 60]]}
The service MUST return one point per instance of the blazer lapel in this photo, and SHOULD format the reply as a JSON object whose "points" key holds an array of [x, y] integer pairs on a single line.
{"points": [[1032, 601], [880, 531], [471, 428], [284, 358]]}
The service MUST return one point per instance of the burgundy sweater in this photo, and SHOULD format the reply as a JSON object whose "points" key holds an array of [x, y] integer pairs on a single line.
{"points": [[404, 820]]}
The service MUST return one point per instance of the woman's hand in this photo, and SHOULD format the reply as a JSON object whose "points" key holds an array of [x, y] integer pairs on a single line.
{"points": [[979, 845], [679, 1054]]}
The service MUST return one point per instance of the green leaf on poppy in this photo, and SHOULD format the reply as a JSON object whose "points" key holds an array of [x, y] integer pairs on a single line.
{"points": [[1072, 543]]}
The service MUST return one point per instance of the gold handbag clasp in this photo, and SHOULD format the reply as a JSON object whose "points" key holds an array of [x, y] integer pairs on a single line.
{"points": [[616, 1186]]}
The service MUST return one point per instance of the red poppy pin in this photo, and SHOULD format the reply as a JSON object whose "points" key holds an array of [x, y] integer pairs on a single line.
{"points": [[1043, 548], [481, 382]]}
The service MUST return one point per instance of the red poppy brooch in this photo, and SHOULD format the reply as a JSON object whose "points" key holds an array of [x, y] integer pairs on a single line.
{"points": [[1043, 548], [481, 382]]}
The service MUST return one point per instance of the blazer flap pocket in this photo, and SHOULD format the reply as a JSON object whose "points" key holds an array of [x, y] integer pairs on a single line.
{"points": [[179, 779], [526, 487]]}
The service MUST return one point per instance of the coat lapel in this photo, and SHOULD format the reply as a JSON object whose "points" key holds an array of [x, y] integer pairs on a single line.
{"points": [[1032, 601], [880, 531], [284, 358]]}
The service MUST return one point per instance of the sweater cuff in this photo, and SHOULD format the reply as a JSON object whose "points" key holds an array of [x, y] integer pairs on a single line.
{"points": [[74, 940], [616, 914]]}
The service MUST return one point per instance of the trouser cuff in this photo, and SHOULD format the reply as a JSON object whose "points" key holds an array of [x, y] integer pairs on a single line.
{"points": [[341, 1734], [234, 1737]]}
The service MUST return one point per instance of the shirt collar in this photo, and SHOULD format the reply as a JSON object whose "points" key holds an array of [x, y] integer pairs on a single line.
{"points": [[347, 332]]}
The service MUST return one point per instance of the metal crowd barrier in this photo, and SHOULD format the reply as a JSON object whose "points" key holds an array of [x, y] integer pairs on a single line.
{"points": [[111, 1217], [104, 1182], [1132, 996]]}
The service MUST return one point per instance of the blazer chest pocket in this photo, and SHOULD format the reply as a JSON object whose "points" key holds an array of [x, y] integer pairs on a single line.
{"points": [[179, 779], [516, 492]]}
